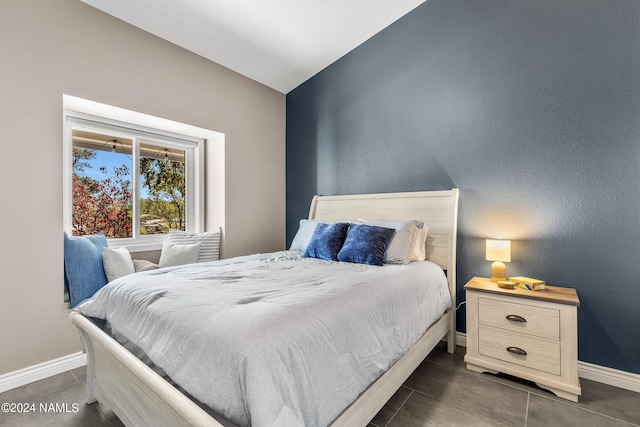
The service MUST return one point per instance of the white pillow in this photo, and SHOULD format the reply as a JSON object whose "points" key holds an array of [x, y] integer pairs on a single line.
{"points": [[117, 262], [144, 265], [209, 242], [418, 253], [400, 248], [303, 235], [178, 254]]}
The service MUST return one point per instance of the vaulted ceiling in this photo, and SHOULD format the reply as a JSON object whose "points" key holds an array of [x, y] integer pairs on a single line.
{"points": [[280, 43]]}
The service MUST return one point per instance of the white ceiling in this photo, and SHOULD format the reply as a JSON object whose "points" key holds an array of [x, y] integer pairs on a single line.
{"points": [[280, 43]]}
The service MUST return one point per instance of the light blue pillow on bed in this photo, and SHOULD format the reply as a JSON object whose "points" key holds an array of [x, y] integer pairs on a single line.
{"points": [[326, 241], [303, 235], [365, 244], [83, 267]]}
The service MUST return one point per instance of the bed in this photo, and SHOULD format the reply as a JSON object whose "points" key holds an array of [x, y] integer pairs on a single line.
{"points": [[139, 396]]}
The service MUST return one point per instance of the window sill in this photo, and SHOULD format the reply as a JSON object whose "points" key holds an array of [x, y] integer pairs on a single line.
{"points": [[134, 247]]}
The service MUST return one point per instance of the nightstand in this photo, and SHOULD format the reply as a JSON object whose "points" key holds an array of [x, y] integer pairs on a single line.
{"points": [[527, 334]]}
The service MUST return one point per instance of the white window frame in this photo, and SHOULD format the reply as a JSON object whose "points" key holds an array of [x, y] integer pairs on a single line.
{"points": [[194, 203]]}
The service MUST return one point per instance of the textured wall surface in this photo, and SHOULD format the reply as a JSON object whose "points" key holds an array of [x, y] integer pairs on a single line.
{"points": [[66, 47], [532, 109]]}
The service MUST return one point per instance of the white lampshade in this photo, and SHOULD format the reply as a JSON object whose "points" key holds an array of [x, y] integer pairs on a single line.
{"points": [[498, 251]]}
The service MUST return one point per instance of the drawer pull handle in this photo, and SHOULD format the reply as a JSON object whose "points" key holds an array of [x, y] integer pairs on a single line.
{"points": [[516, 318], [516, 350]]}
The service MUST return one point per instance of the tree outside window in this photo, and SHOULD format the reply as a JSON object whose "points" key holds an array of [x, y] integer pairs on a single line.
{"points": [[100, 204], [163, 178], [104, 189]]}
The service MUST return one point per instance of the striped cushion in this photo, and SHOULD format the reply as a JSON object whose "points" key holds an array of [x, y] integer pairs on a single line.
{"points": [[209, 242]]}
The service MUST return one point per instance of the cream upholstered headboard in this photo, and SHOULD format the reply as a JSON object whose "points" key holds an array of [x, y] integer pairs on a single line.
{"points": [[437, 209]]}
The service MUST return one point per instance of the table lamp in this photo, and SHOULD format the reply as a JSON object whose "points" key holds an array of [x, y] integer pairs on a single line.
{"points": [[498, 251]]}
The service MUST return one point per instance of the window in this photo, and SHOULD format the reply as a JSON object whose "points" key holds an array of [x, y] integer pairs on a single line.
{"points": [[129, 182], [131, 198]]}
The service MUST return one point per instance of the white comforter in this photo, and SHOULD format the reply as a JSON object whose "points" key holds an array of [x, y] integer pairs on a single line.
{"points": [[274, 339]]}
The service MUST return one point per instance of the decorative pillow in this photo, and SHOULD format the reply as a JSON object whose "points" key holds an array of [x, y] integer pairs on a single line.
{"points": [[209, 242], [303, 235], [418, 253], [144, 265], [365, 244], [117, 262], [326, 241], [178, 254], [83, 266], [401, 245]]}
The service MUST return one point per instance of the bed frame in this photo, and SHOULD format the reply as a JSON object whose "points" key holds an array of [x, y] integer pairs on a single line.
{"points": [[140, 397]]}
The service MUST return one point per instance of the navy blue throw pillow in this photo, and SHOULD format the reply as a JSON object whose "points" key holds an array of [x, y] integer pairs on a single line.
{"points": [[326, 241], [365, 244]]}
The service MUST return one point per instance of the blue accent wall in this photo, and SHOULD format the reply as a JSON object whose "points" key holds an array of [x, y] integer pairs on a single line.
{"points": [[531, 109]]}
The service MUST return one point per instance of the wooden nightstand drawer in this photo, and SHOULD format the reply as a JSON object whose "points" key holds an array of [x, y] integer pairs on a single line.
{"points": [[517, 317], [541, 354]]}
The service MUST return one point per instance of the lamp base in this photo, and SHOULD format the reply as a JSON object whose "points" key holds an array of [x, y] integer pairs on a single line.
{"points": [[498, 271]]}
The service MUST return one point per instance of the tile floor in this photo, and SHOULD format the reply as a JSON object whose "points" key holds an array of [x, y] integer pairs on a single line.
{"points": [[441, 392], [65, 389]]}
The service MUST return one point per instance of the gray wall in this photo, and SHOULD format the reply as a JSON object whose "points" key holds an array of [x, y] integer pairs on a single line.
{"points": [[51, 48], [531, 108]]}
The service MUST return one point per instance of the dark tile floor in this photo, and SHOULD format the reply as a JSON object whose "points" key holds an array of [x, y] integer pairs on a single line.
{"points": [[441, 392], [67, 393]]}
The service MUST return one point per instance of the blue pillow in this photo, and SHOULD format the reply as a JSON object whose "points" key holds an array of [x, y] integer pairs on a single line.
{"points": [[366, 244], [83, 268], [326, 241]]}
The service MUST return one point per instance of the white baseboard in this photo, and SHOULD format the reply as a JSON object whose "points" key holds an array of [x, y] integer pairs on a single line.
{"points": [[614, 377], [41, 371], [601, 374], [461, 339]]}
